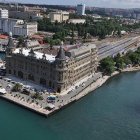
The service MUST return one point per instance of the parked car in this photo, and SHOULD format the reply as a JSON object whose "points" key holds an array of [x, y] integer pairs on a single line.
{"points": [[25, 91]]}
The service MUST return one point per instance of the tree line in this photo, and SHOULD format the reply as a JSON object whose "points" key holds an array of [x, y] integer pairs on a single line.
{"points": [[98, 29], [109, 65]]}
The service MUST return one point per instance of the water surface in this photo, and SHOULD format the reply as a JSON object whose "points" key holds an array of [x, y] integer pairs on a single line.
{"points": [[112, 112]]}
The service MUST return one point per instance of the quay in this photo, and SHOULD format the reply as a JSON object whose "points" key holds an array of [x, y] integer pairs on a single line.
{"points": [[34, 108], [46, 113]]}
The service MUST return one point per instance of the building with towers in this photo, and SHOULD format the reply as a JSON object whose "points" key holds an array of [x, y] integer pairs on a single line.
{"points": [[58, 71]]}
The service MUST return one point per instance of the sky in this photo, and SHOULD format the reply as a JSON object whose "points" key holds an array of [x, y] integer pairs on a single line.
{"points": [[94, 3]]}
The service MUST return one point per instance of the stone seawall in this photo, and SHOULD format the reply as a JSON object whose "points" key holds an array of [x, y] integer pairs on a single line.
{"points": [[93, 86]]}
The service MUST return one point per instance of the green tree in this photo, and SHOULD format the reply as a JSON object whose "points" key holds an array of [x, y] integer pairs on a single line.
{"points": [[46, 39], [135, 58], [107, 65], [120, 64], [51, 44], [127, 60], [36, 96], [17, 87], [72, 36], [119, 33], [20, 41]]}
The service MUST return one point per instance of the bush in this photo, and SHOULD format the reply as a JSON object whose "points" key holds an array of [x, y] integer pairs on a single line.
{"points": [[17, 87], [107, 65], [37, 96]]}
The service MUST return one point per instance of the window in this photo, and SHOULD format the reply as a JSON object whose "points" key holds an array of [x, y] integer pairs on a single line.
{"points": [[9, 71], [31, 77]]}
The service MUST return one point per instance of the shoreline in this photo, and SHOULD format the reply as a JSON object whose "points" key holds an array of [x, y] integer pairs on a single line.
{"points": [[95, 85]]}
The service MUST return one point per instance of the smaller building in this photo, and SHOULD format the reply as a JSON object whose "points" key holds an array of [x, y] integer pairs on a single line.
{"points": [[39, 38], [138, 16], [96, 16], [17, 27], [25, 29], [25, 15], [28, 43], [3, 13], [77, 21], [59, 16]]}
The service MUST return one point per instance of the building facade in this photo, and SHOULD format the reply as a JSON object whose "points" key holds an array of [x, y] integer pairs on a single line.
{"points": [[81, 9], [57, 72], [25, 15], [3, 13], [59, 16], [77, 21], [25, 29], [17, 27]]}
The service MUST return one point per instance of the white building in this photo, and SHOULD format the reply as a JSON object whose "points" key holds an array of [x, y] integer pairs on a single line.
{"points": [[59, 16], [3, 13], [134, 16], [138, 16], [17, 27], [26, 29], [77, 21], [81, 9], [96, 16]]}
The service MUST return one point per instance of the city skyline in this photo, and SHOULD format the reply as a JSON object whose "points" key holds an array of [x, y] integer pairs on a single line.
{"points": [[94, 3]]}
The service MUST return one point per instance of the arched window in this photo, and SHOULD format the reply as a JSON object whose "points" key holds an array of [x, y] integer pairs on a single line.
{"points": [[31, 77], [14, 72], [58, 89], [42, 81], [20, 74], [9, 71], [50, 84]]}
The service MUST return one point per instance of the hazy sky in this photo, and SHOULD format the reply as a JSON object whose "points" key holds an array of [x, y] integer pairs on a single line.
{"points": [[99, 3]]}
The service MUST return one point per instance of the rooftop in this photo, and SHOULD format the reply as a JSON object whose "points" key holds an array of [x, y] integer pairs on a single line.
{"points": [[57, 52], [59, 12], [68, 48], [38, 55]]}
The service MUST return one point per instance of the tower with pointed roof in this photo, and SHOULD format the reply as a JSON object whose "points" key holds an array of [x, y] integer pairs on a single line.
{"points": [[25, 43], [60, 70], [9, 50], [61, 54], [10, 45]]}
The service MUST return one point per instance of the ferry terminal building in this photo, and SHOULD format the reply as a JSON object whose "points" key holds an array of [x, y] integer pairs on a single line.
{"points": [[56, 71]]}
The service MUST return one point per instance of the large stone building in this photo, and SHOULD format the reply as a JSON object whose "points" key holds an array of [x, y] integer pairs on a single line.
{"points": [[57, 72]]}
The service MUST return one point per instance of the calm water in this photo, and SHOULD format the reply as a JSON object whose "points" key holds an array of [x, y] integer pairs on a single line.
{"points": [[112, 112]]}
